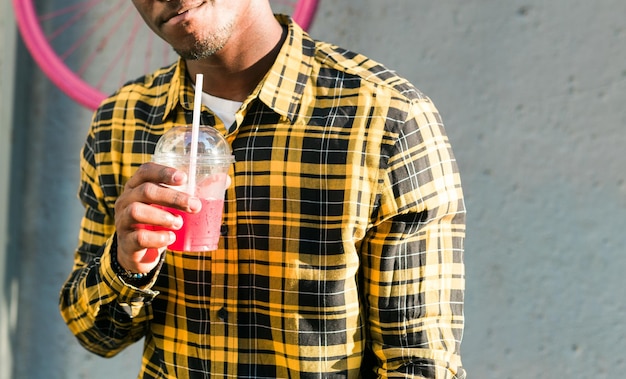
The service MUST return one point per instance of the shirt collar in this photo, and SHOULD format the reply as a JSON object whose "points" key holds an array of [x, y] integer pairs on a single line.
{"points": [[180, 90], [282, 87], [284, 84]]}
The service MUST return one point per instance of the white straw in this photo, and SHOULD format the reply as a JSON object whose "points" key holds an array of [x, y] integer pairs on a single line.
{"points": [[195, 126]]}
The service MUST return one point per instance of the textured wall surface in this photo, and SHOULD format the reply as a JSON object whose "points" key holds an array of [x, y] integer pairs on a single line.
{"points": [[532, 94], [8, 286]]}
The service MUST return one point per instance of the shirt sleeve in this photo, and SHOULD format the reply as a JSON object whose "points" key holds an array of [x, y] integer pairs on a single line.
{"points": [[103, 312], [413, 270]]}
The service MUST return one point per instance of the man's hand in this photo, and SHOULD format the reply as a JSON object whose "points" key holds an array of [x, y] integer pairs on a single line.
{"points": [[138, 248]]}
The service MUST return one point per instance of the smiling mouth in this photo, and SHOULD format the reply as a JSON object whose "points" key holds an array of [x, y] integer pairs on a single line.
{"points": [[181, 13], [176, 15]]}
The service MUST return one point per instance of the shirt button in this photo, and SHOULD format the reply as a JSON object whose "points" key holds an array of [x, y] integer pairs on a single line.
{"points": [[224, 230], [222, 314]]}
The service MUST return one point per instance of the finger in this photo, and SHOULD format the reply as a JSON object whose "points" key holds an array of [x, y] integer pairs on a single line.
{"points": [[141, 259], [140, 214], [155, 173], [151, 193], [132, 246], [149, 239]]}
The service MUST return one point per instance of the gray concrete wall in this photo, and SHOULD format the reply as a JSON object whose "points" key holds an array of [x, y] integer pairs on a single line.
{"points": [[532, 94], [8, 296]]}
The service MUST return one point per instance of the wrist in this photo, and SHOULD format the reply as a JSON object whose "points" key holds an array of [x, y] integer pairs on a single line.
{"points": [[129, 277]]}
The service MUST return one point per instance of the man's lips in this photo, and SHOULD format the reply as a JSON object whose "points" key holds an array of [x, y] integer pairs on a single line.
{"points": [[181, 13]]}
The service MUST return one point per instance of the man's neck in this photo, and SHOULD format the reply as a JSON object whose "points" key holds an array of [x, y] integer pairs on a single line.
{"points": [[237, 69]]}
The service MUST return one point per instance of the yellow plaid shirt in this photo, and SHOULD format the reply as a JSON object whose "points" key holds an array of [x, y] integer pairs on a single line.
{"points": [[342, 247]]}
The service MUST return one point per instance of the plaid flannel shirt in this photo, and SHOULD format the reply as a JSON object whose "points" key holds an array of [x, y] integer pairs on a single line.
{"points": [[342, 242]]}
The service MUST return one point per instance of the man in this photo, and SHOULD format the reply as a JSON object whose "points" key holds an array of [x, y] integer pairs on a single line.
{"points": [[343, 227]]}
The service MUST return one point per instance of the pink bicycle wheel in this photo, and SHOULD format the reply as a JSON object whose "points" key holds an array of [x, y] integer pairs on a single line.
{"points": [[65, 42]]}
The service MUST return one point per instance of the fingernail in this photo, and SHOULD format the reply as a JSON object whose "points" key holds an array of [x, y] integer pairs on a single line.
{"points": [[177, 222], [172, 238], [179, 177], [194, 204]]}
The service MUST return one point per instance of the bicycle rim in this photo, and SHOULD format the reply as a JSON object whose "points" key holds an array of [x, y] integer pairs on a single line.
{"points": [[65, 44]]}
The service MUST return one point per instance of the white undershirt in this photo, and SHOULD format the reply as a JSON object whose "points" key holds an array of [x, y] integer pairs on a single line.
{"points": [[224, 109]]}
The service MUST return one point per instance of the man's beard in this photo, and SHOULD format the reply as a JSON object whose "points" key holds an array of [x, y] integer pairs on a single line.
{"points": [[208, 46], [200, 50]]}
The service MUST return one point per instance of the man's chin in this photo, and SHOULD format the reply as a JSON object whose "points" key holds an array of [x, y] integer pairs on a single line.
{"points": [[196, 54]]}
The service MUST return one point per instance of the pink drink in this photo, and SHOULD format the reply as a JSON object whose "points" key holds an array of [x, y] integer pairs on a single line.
{"points": [[200, 231], [208, 180]]}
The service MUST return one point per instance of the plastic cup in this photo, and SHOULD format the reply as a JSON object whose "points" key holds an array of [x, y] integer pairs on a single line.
{"points": [[200, 231]]}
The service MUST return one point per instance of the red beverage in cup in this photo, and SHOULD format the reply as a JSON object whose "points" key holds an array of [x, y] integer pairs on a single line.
{"points": [[200, 231]]}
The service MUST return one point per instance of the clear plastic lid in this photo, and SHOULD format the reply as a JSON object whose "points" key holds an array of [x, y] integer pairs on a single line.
{"points": [[174, 147]]}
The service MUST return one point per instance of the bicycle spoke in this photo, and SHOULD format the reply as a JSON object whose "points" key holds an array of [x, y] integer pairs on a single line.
{"points": [[68, 9], [72, 21], [105, 40], [126, 51]]}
